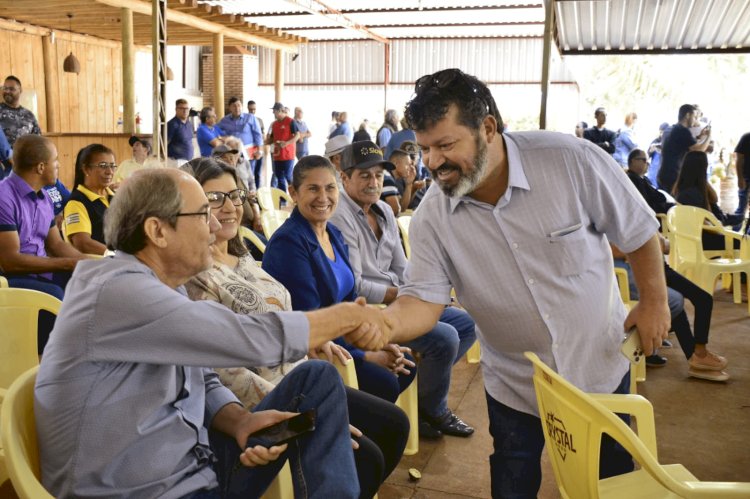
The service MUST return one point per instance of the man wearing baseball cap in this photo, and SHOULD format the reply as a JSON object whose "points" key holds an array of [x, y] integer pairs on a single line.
{"points": [[378, 263], [283, 135]]}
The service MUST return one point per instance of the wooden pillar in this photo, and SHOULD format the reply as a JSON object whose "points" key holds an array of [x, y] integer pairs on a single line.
{"points": [[546, 50], [278, 81], [49, 54], [218, 57], [128, 72]]}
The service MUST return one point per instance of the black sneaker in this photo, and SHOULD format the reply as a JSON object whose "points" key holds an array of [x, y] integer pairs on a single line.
{"points": [[450, 424], [666, 344], [655, 361], [427, 431]]}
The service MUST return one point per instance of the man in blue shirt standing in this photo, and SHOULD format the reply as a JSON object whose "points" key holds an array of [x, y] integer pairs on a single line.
{"points": [[304, 134], [180, 133], [243, 126]]}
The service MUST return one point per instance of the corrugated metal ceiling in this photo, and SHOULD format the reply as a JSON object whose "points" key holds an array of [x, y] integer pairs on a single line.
{"points": [[581, 26], [652, 26], [397, 18]]}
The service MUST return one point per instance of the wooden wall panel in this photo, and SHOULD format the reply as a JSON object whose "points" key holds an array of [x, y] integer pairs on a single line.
{"points": [[68, 146], [88, 102]]}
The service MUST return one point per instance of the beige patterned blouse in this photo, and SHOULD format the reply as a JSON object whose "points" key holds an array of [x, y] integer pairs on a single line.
{"points": [[246, 289]]}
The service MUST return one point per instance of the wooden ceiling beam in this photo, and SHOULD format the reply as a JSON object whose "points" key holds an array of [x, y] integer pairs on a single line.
{"points": [[142, 7]]}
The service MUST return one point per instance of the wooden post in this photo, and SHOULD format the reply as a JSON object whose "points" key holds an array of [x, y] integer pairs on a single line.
{"points": [[218, 57], [546, 50], [278, 81], [128, 72], [49, 54]]}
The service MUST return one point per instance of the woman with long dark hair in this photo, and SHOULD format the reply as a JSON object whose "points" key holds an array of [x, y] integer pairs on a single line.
{"points": [[692, 189]]}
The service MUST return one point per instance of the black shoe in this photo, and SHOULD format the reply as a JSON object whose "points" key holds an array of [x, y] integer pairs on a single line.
{"points": [[655, 361], [666, 344], [450, 424], [427, 431]]}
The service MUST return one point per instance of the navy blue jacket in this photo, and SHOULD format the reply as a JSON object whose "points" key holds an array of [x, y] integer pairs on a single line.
{"points": [[294, 257]]}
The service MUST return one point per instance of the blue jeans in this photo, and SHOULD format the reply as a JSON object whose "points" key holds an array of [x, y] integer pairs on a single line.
{"points": [[743, 195], [322, 462], [283, 172], [257, 165], [442, 347], [518, 440]]}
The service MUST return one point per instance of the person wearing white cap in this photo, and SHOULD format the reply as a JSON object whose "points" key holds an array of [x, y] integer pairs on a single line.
{"points": [[334, 148]]}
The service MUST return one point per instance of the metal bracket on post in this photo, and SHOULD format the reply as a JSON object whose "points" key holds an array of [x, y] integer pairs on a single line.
{"points": [[159, 56]]}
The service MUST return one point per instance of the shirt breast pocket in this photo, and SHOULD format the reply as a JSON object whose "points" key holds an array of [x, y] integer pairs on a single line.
{"points": [[568, 250]]}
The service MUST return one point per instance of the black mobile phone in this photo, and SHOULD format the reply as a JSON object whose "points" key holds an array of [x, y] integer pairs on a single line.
{"points": [[284, 431]]}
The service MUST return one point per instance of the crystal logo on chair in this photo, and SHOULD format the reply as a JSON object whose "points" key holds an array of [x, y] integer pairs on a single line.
{"points": [[560, 436]]}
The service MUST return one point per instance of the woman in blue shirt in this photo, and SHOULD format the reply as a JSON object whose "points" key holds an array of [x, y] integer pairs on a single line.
{"points": [[309, 257]]}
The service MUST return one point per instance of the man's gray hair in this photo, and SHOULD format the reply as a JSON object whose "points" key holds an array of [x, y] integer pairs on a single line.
{"points": [[147, 193]]}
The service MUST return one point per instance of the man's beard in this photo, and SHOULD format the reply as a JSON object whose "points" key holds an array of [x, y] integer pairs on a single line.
{"points": [[466, 182]]}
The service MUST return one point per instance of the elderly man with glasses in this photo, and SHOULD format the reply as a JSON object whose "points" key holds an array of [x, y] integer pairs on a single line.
{"points": [[519, 225], [121, 390]]}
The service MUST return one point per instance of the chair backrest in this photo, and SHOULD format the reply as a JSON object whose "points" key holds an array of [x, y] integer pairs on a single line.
{"points": [[573, 423], [246, 233], [19, 312], [403, 225], [18, 434], [269, 198], [686, 224], [272, 220], [3, 282]]}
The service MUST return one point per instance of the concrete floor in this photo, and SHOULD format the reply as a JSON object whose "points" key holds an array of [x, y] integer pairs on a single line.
{"points": [[701, 424]]}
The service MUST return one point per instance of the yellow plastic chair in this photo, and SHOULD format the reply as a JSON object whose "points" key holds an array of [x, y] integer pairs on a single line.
{"points": [[637, 369], [281, 487], [407, 401], [269, 198], [573, 424], [474, 354], [19, 310], [403, 224], [272, 220], [18, 436], [686, 223], [3, 282], [251, 236]]}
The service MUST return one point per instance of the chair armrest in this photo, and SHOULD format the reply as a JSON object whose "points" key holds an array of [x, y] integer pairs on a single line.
{"points": [[719, 489], [636, 406]]}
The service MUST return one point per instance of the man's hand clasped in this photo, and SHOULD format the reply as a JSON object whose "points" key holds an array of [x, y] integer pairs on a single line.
{"points": [[374, 329]]}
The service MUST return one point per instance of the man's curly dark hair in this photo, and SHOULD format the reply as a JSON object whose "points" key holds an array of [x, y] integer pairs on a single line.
{"points": [[433, 95]]}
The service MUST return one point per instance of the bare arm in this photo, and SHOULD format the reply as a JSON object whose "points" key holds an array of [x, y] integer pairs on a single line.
{"points": [[411, 317], [702, 145], [56, 247], [12, 261], [83, 242], [651, 314], [740, 167]]}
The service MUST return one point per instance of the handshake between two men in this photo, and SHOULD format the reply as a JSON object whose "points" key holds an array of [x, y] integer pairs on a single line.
{"points": [[364, 326]]}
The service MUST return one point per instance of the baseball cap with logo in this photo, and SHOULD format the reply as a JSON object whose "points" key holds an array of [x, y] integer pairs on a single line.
{"points": [[278, 106], [408, 147], [365, 154], [335, 145]]}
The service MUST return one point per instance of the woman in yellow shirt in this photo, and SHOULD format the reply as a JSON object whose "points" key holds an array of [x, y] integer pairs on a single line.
{"points": [[89, 200]]}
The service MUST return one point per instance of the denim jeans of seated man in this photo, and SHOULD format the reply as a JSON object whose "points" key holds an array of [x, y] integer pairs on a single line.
{"points": [[440, 348], [322, 461], [674, 298]]}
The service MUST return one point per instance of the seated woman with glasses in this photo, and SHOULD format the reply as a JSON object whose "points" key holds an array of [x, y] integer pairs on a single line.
{"points": [[236, 281], [83, 215]]}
